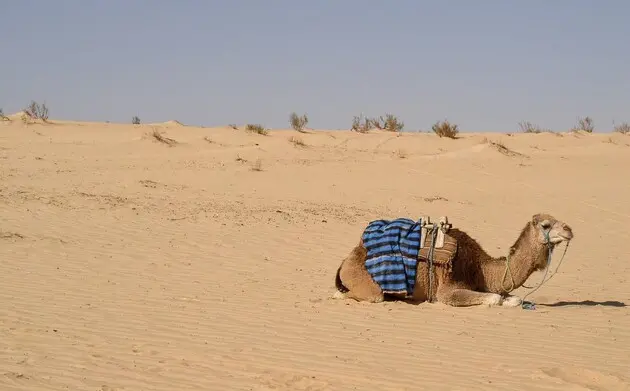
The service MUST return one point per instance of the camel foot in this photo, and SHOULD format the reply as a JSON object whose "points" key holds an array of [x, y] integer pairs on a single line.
{"points": [[339, 295], [511, 301], [492, 299]]}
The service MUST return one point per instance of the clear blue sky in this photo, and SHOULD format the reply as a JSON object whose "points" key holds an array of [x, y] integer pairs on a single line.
{"points": [[484, 64]]}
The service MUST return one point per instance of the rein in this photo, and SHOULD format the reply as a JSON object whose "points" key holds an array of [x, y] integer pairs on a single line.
{"points": [[529, 305]]}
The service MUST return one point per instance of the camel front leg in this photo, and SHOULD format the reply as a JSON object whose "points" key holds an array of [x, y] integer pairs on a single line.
{"points": [[460, 297], [511, 301]]}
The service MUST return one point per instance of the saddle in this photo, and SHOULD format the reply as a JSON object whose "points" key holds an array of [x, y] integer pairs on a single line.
{"points": [[436, 246]]}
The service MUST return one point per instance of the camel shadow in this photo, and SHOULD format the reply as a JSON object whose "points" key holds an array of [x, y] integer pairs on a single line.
{"points": [[584, 303]]}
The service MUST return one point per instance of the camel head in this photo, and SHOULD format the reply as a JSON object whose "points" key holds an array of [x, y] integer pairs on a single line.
{"points": [[548, 228]]}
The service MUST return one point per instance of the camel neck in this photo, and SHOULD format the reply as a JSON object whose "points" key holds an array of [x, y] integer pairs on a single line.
{"points": [[526, 256]]}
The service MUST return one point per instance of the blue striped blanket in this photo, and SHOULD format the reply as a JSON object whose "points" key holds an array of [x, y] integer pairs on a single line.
{"points": [[392, 253]]}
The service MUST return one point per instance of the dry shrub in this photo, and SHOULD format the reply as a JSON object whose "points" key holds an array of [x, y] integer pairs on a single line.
{"points": [[26, 118], [528, 127], [584, 125], [298, 142], [135, 120], [256, 128], [37, 111], [389, 123], [361, 124], [445, 129], [164, 140], [401, 154], [233, 126], [623, 128], [3, 117], [499, 146], [298, 123]]}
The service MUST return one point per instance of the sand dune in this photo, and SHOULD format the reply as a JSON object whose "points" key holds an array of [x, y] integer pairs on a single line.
{"points": [[208, 263]]}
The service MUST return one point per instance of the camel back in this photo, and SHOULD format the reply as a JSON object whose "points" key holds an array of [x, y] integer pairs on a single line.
{"points": [[394, 248]]}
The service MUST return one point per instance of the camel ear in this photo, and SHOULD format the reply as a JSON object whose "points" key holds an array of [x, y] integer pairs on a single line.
{"points": [[536, 219]]}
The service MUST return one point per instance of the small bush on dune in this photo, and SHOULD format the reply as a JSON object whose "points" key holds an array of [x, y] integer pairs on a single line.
{"points": [[135, 120], [256, 128], [528, 127], [623, 128], [389, 123], [361, 124], [585, 125], [37, 111], [445, 129], [298, 142], [298, 122], [2, 116]]}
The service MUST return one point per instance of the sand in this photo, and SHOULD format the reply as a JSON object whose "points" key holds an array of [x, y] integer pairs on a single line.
{"points": [[208, 263]]}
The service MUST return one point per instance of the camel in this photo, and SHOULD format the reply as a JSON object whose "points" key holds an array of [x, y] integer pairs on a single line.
{"points": [[473, 278]]}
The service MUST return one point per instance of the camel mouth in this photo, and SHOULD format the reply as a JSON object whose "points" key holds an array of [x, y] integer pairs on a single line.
{"points": [[561, 238], [568, 236]]}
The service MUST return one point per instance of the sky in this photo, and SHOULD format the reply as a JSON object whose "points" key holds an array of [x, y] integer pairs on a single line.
{"points": [[485, 65]]}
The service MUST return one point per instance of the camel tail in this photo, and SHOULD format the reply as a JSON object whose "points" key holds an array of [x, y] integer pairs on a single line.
{"points": [[338, 284]]}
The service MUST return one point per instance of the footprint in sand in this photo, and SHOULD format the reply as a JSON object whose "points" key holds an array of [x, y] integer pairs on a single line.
{"points": [[589, 379]]}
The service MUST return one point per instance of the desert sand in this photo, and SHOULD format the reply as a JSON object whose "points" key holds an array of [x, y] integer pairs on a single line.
{"points": [[208, 263]]}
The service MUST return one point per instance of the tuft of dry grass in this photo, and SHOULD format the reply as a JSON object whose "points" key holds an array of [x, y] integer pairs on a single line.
{"points": [[2, 116], [233, 126], [257, 166], [240, 159], [298, 122], [361, 124], [10, 235], [445, 129], [135, 120], [528, 127], [435, 198], [610, 140], [401, 154], [162, 139], [623, 128], [26, 118], [389, 123], [499, 146], [298, 142], [256, 128], [584, 125]]}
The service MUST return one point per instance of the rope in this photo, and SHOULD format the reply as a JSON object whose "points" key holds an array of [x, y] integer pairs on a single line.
{"points": [[507, 269], [530, 305], [431, 251]]}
